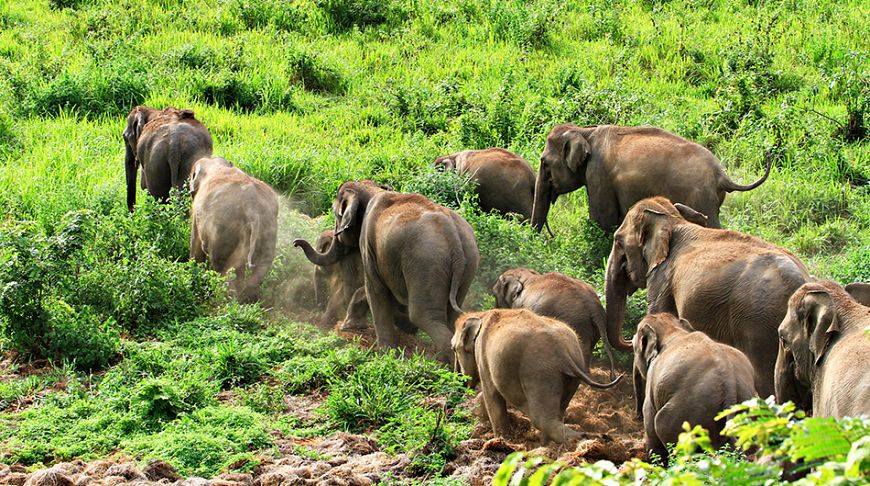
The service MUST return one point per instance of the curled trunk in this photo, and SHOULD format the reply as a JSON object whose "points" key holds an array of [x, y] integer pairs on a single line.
{"points": [[617, 289], [332, 254], [541, 206]]}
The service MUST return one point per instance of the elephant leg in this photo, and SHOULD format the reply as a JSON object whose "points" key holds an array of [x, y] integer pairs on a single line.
{"points": [[382, 304], [545, 398], [357, 309], [431, 316], [251, 283], [667, 424], [587, 344], [763, 358], [496, 409], [197, 253]]}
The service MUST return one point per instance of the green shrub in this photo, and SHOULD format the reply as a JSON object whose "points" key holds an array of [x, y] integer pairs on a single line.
{"points": [[427, 435], [528, 24], [82, 336], [346, 14], [314, 74]]}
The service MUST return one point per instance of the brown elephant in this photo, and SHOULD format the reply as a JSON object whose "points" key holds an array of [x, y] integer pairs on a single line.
{"points": [[681, 375], [505, 181], [859, 291], [622, 165], [535, 363], [555, 295], [340, 288], [415, 253], [163, 145], [233, 224], [731, 286], [824, 353]]}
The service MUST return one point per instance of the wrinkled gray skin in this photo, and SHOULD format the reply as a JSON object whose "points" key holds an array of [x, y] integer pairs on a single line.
{"points": [[824, 353], [505, 181], [681, 375], [162, 145], [342, 283], [622, 165], [555, 295], [731, 286], [860, 292], [532, 362], [234, 224], [415, 253]]}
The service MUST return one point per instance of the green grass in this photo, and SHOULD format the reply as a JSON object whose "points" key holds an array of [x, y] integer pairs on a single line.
{"points": [[306, 94]]}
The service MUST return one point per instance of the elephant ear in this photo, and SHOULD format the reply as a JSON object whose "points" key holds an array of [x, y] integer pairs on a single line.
{"points": [[470, 331], [649, 346], [691, 215], [655, 238], [446, 162], [196, 179], [686, 325], [512, 290], [860, 292], [347, 215], [576, 150], [822, 322]]}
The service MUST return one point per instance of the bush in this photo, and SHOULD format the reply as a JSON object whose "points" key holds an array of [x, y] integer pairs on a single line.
{"points": [[346, 14], [314, 74], [527, 24], [82, 336]]}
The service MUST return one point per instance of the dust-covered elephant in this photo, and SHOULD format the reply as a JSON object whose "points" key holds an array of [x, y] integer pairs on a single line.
{"points": [[824, 352], [233, 224], [505, 181], [162, 145], [681, 375], [561, 297], [731, 286], [532, 362], [415, 253], [622, 165]]}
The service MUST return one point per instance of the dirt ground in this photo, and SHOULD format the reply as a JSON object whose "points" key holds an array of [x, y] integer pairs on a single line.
{"points": [[605, 417]]}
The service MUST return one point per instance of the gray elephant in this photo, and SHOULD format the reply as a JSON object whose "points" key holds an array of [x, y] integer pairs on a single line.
{"points": [[163, 145], [555, 295], [505, 181], [731, 286], [532, 362], [859, 291], [415, 253], [233, 224], [681, 375], [622, 165], [824, 353]]}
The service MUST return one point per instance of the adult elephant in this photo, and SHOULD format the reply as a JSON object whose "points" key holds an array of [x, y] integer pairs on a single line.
{"points": [[162, 145], [729, 285], [415, 253], [824, 353], [505, 181], [622, 165]]}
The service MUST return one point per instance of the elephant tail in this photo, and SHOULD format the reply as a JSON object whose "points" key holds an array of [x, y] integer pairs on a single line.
{"points": [[730, 186], [573, 369], [253, 241], [455, 282]]}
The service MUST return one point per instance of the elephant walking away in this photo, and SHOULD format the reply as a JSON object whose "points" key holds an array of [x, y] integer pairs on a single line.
{"points": [[505, 181], [824, 352], [532, 362], [233, 224], [681, 375], [731, 286], [415, 253], [622, 165], [555, 295], [162, 145]]}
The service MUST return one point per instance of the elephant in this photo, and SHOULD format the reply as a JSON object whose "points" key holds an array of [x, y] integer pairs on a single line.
{"points": [[505, 181], [681, 375], [622, 165], [555, 295], [163, 145], [415, 253], [824, 353], [535, 363], [343, 283], [731, 286], [859, 291], [233, 224]]}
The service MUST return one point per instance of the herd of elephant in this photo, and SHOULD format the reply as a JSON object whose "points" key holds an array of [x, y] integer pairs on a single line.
{"points": [[730, 316]]}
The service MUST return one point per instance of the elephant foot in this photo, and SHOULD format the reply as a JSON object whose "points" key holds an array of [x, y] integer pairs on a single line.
{"points": [[353, 324]]}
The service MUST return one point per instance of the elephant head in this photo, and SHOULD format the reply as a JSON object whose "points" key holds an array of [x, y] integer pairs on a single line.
{"points": [[349, 209], [647, 344], [509, 286], [202, 169], [810, 326], [562, 170], [445, 162], [640, 245], [136, 121], [462, 343]]}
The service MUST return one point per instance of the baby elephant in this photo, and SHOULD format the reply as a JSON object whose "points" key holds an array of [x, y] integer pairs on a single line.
{"points": [[681, 375], [233, 223], [532, 362], [567, 299]]}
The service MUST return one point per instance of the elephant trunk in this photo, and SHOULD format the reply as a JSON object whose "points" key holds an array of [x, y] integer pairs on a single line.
{"points": [[541, 206], [639, 391], [332, 254], [130, 166], [785, 384], [617, 289]]}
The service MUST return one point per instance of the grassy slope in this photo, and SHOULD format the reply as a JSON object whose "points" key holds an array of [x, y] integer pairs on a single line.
{"points": [[303, 104]]}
